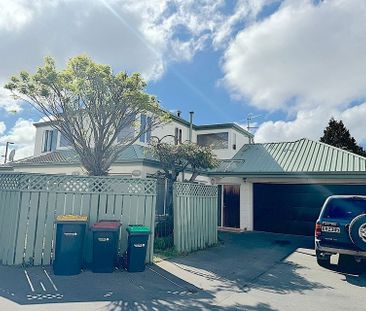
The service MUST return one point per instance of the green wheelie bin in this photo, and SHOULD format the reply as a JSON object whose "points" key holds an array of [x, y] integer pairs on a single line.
{"points": [[70, 232], [138, 236]]}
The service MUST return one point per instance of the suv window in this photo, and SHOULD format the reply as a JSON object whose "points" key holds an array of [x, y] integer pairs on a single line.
{"points": [[347, 208]]}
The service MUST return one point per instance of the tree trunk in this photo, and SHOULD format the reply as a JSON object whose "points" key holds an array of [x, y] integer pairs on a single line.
{"points": [[193, 177]]}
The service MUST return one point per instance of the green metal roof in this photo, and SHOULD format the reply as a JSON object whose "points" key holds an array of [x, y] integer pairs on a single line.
{"points": [[302, 156], [133, 153]]}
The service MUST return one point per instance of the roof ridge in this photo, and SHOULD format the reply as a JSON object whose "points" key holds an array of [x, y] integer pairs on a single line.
{"points": [[278, 142], [314, 141]]}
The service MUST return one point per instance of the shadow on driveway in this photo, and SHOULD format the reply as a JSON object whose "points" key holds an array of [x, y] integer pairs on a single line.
{"points": [[154, 289], [242, 259]]}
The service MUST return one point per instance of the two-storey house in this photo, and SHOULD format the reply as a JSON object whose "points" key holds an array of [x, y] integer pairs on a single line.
{"points": [[53, 153]]}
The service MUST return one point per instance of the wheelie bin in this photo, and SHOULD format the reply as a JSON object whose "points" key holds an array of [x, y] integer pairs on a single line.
{"points": [[70, 232], [105, 245], [138, 236]]}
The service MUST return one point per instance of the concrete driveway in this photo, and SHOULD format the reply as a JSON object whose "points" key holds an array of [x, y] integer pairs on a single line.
{"points": [[249, 271], [264, 271]]}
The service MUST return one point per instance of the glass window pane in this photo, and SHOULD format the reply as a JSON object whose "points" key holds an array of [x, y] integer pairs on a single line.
{"points": [[148, 134], [214, 140], [47, 141], [345, 208], [176, 136], [143, 127], [64, 142]]}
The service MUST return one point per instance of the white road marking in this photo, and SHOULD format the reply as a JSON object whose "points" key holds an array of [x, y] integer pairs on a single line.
{"points": [[29, 281], [44, 288], [49, 278]]}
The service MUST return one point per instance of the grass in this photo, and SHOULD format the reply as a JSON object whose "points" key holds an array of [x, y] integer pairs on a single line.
{"points": [[160, 255]]}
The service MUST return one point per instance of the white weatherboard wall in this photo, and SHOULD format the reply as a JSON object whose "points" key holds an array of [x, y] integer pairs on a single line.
{"points": [[30, 203]]}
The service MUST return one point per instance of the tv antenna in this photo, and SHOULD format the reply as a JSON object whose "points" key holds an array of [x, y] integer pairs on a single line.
{"points": [[11, 155], [250, 117]]}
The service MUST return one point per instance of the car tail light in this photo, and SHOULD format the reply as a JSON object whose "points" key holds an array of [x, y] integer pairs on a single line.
{"points": [[318, 230]]}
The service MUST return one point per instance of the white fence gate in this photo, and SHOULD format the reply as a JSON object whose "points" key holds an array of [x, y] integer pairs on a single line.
{"points": [[29, 204]]}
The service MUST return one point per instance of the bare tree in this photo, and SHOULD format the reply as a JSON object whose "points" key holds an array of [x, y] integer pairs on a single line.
{"points": [[91, 106]]}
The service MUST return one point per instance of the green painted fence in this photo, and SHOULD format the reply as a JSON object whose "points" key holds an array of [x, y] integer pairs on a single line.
{"points": [[29, 204], [195, 216]]}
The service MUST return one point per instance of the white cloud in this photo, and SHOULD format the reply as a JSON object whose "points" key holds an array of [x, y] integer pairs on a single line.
{"points": [[22, 135], [311, 123], [142, 36], [303, 56], [8, 103], [13, 15], [128, 34], [65, 28], [2, 128]]}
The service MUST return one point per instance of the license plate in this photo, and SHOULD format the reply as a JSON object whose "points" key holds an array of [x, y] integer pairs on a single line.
{"points": [[331, 229]]}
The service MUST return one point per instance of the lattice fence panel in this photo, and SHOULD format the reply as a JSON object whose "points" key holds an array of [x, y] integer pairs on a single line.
{"points": [[67, 183], [29, 204], [10, 181], [190, 189]]}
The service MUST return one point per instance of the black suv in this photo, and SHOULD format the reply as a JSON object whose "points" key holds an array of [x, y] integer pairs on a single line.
{"points": [[341, 229]]}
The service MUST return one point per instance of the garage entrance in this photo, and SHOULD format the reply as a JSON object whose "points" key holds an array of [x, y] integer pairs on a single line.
{"points": [[293, 208]]}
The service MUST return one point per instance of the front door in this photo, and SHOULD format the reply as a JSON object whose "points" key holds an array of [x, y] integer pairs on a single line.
{"points": [[231, 206]]}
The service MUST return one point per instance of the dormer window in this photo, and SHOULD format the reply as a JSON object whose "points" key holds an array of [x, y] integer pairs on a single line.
{"points": [[49, 140]]}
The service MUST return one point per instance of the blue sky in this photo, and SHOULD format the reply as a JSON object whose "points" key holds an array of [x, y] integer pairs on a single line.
{"points": [[293, 63]]}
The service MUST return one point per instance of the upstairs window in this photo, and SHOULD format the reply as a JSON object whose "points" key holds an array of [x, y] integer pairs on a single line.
{"points": [[49, 140], [126, 134], [145, 123], [214, 140], [178, 136], [64, 141]]}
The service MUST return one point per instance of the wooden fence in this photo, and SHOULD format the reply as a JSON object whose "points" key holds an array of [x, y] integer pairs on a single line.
{"points": [[195, 216], [29, 204]]}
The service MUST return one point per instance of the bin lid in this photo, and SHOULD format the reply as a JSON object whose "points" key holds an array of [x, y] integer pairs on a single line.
{"points": [[106, 225], [72, 218], [138, 229]]}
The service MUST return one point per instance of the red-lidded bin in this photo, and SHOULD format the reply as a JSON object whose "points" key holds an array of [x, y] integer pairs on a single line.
{"points": [[105, 245]]}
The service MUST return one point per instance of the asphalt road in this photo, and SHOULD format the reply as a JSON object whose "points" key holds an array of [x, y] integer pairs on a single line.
{"points": [[250, 271]]}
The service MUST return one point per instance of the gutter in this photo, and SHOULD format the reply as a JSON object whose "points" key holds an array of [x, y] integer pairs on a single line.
{"points": [[323, 175]]}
